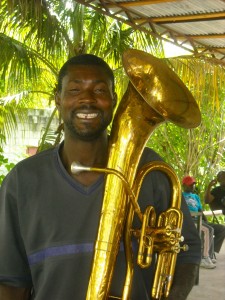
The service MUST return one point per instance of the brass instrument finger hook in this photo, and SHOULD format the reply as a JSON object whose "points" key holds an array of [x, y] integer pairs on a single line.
{"points": [[145, 250]]}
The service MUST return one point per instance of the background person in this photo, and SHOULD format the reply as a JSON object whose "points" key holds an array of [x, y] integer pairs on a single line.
{"points": [[194, 205], [49, 217], [215, 197], [219, 229]]}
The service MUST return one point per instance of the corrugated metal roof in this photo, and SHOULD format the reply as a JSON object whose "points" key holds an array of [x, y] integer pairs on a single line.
{"points": [[199, 24]]}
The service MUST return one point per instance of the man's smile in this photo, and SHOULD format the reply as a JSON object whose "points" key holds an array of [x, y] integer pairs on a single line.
{"points": [[86, 115]]}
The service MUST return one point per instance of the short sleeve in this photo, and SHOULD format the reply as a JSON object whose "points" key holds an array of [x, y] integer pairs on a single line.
{"points": [[199, 202], [14, 268]]}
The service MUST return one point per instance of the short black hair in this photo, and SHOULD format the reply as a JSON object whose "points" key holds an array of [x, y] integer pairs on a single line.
{"points": [[84, 59], [220, 173]]}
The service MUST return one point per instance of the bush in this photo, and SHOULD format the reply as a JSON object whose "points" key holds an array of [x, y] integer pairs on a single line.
{"points": [[5, 166]]}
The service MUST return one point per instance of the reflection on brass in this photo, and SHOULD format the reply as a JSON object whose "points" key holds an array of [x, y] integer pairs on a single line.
{"points": [[155, 94], [161, 88]]}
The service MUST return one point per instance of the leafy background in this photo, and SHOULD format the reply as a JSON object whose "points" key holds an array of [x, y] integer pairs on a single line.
{"points": [[36, 37]]}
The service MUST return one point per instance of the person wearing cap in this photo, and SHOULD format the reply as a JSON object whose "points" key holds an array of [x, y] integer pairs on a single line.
{"points": [[189, 180], [194, 205], [215, 197]]}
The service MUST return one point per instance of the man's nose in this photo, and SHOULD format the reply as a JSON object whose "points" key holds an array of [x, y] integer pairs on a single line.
{"points": [[87, 96]]}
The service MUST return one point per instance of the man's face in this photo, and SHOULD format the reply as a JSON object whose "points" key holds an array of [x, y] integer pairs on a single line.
{"points": [[189, 188], [86, 101], [221, 178]]}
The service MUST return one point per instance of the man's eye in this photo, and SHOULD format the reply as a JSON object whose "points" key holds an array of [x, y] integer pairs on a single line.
{"points": [[100, 91], [74, 91]]}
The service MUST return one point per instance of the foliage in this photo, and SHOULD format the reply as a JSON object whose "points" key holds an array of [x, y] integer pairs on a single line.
{"points": [[5, 165], [38, 36], [200, 151]]}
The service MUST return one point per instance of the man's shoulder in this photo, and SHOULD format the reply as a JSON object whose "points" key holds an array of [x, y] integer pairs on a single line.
{"points": [[190, 195], [149, 155], [38, 157], [33, 163], [217, 191]]}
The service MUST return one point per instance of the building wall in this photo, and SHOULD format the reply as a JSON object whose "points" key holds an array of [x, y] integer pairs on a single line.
{"points": [[24, 141]]}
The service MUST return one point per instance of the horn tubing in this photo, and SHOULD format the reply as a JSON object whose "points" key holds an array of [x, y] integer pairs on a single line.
{"points": [[176, 202], [114, 203]]}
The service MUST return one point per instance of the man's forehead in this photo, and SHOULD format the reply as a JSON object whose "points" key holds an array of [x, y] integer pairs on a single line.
{"points": [[88, 81], [221, 174], [87, 71], [87, 74], [89, 68]]}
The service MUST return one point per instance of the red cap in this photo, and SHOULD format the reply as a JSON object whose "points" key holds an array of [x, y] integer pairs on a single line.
{"points": [[188, 180]]}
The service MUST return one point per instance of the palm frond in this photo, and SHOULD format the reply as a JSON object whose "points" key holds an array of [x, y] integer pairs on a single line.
{"points": [[21, 61]]}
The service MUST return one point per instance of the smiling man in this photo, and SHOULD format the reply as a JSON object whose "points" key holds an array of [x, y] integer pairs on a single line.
{"points": [[85, 101], [49, 217]]}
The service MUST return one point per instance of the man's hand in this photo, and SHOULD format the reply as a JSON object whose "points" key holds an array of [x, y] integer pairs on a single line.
{"points": [[208, 196], [13, 293], [213, 182], [184, 279]]}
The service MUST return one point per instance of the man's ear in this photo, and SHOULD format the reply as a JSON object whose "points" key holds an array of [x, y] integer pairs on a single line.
{"points": [[57, 100], [114, 100]]}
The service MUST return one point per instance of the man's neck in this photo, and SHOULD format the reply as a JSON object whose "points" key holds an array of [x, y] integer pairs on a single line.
{"points": [[88, 153]]}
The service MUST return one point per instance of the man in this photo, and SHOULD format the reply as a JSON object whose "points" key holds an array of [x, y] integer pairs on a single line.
{"points": [[216, 197], [194, 204], [49, 216]]}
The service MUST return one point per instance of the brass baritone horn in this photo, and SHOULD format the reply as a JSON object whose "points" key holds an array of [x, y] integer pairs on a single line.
{"points": [[155, 94]]}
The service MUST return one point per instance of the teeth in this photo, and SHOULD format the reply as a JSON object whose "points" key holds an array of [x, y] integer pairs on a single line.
{"points": [[87, 116]]}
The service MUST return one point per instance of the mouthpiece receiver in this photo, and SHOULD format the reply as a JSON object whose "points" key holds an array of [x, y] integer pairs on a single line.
{"points": [[77, 168]]}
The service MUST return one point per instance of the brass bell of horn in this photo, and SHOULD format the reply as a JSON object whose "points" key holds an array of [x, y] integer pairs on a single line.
{"points": [[161, 88]]}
